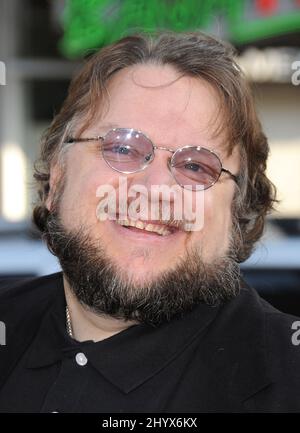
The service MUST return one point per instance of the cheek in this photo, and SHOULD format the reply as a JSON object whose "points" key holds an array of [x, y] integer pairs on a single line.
{"points": [[79, 200], [214, 237], [217, 211]]}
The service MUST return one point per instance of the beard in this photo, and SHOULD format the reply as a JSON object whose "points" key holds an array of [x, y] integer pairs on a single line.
{"points": [[101, 286]]}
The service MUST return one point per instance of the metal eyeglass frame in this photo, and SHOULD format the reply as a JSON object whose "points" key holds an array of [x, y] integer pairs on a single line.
{"points": [[71, 140]]}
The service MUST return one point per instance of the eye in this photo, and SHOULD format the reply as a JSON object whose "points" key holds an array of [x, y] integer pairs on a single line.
{"points": [[122, 149], [193, 167]]}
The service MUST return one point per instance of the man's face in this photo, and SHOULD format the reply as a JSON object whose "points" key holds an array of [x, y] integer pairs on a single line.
{"points": [[173, 112]]}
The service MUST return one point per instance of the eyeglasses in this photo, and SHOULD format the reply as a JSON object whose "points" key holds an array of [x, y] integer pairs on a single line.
{"points": [[129, 151]]}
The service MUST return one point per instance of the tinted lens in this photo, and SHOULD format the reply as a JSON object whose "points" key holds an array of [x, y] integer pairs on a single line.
{"points": [[127, 150], [197, 167]]}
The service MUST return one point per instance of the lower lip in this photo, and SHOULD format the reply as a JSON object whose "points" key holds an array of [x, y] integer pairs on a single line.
{"points": [[143, 235]]}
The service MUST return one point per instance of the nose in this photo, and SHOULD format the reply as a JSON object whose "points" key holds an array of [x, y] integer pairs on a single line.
{"points": [[157, 171], [157, 188]]}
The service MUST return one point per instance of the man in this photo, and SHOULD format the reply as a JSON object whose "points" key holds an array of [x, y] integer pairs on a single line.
{"points": [[151, 314]]}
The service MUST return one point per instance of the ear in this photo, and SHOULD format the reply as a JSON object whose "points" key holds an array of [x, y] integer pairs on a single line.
{"points": [[55, 173]]}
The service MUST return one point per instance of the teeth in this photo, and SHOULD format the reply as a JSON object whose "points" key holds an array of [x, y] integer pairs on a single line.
{"points": [[123, 222], [163, 231], [139, 225], [150, 227]]}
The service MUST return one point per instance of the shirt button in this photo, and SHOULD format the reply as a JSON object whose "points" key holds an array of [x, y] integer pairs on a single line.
{"points": [[81, 359]]}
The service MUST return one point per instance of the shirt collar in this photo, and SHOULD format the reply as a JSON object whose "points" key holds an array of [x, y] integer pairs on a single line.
{"points": [[141, 350]]}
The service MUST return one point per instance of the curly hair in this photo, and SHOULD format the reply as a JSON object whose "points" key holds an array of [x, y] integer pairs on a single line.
{"points": [[192, 54]]}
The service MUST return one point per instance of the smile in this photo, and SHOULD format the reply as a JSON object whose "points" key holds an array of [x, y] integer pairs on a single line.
{"points": [[159, 229]]}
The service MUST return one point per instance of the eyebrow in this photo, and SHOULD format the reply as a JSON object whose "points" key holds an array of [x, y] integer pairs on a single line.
{"points": [[108, 126], [102, 128]]}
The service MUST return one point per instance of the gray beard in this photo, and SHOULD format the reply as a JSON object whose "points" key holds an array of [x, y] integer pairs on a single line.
{"points": [[100, 286]]}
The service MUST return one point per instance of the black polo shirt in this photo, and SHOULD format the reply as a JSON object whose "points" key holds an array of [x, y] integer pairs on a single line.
{"points": [[212, 359]]}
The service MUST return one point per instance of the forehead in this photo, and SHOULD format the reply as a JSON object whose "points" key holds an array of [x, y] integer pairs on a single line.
{"points": [[162, 103]]}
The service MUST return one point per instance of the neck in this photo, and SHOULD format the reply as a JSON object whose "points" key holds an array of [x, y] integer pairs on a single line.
{"points": [[86, 325]]}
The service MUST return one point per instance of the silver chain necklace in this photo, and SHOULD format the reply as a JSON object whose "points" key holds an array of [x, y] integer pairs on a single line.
{"points": [[68, 322]]}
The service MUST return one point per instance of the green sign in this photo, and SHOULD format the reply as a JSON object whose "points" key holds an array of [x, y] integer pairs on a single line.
{"points": [[90, 24]]}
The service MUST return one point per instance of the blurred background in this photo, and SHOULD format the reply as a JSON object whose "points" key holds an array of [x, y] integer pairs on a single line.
{"points": [[43, 43]]}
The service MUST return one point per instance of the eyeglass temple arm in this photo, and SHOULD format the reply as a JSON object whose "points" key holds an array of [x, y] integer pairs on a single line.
{"points": [[80, 140], [233, 176]]}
